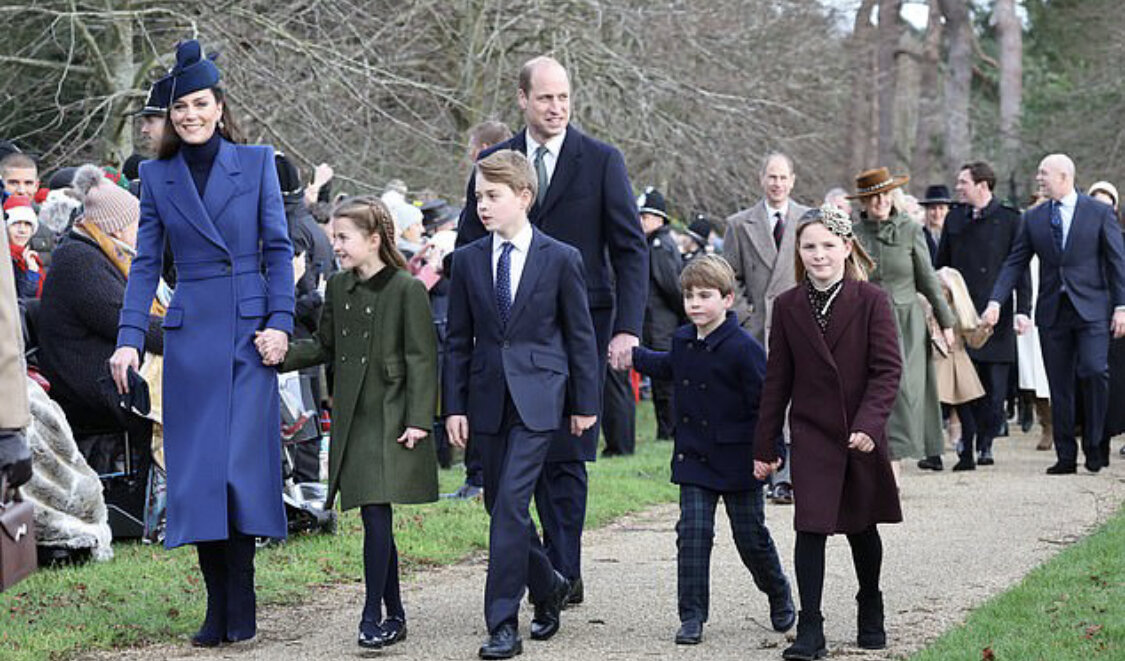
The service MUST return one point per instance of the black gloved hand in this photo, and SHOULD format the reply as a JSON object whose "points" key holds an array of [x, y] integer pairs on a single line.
{"points": [[15, 457]]}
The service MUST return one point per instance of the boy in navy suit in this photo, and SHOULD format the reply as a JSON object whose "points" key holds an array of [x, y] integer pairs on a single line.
{"points": [[521, 353], [718, 369]]}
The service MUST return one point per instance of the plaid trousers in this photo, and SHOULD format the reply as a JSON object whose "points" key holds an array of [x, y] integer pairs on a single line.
{"points": [[695, 534]]}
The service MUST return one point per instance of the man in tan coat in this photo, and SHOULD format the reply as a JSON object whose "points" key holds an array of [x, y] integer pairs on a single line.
{"points": [[15, 460], [759, 244]]}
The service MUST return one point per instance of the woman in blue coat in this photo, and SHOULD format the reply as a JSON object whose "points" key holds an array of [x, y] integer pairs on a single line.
{"points": [[218, 206]]}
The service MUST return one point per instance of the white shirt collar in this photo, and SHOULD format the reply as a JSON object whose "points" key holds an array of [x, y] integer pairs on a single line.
{"points": [[1070, 199], [553, 145], [521, 241], [783, 209]]}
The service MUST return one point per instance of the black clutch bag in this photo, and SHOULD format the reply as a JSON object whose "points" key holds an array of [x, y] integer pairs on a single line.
{"points": [[135, 401]]}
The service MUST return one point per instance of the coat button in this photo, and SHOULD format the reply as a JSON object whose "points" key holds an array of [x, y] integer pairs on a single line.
{"points": [[367, 310], [687, 383], [703, 386], [366, 334], [703, 424], [344, 332], [680, 457], [686, 419], [343, 359], [347, 306], [363, 360], [506, 344]]}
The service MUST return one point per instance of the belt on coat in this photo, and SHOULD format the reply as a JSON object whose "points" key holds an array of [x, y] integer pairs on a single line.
{"points": [[223, 267]]}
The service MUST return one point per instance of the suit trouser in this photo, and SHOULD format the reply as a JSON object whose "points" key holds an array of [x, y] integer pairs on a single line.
{"points": [[512, 462], [619, 411], [1076, 351], [988, 411], [695, 535]]}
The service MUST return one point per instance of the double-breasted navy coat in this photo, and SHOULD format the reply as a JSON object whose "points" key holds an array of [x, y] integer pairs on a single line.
{"points": [[233, 257]]}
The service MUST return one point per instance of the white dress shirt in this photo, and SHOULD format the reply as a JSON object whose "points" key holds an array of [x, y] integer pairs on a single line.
{"points": [[521, 243], [1066, 211], [783, 210], [550, 159]]}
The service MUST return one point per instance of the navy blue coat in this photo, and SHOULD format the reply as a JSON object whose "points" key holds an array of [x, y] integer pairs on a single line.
{"points": [[590, 206], [222, 437], [1091, 268], [545, 356], [718, 382]]}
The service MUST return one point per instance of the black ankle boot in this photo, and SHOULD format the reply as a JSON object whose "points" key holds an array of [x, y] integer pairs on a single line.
{"points": [[809, 644], [872, 635], [213, 567]]}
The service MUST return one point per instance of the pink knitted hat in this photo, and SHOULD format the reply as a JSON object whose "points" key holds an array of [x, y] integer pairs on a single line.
{"points": [[107, 205]]}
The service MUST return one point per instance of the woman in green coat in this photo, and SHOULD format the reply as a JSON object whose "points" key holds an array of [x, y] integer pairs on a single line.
{"points": [[903, 269], [376, 329]]}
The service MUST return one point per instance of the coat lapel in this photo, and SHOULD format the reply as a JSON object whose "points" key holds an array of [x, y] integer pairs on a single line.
{"points": [[843, 312], [183, 195], [803, 317], [224, 183], [782, 278], [569, 162], [530, 276], [760, 235]]}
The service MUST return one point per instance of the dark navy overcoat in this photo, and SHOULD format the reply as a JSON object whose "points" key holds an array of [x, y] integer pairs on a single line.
{"points": [[234, 276]]}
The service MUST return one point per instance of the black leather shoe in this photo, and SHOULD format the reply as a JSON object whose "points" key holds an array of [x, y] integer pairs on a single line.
{"points": [[871, 634], [690, 633], [206, 639], [985, 458], [392, 630], [965, 463], [370, 637], [1062, 469], [577, 592], [809, 644], [782, 612], [504, 643], [931, 463], [545, 623], [782, 494], [1093, 464]]}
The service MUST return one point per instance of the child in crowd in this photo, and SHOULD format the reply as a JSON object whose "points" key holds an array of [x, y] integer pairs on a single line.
{"points": [[520, 353], [834, 364], [22, 223], [718, 369], [376, 329]]}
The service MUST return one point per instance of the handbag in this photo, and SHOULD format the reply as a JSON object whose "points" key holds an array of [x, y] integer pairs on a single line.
{"points": [[18, 556]]}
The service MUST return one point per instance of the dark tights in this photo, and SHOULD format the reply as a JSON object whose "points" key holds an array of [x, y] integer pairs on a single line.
{"points": [[228, 573], [867, 556], [380, 565]]}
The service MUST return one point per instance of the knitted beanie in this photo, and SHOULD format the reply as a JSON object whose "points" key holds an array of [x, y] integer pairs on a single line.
{"points": [[17, 209], [108, 206]]}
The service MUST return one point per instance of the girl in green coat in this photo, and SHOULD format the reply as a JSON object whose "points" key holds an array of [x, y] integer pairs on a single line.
{"points": [[903, 270], [376, 329]]}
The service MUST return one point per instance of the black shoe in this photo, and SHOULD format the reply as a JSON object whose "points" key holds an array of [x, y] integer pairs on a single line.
{"points": [[1003, 432], [370, 636], [810, 644], [965, 463], [782, 613], [985, 458], [1093, 464], [690, 633], [782, 494], [392, 630], [1062, 469], [545, 623], [577, 593], [871, 633], [931, 463], [206, 639], [504, 643], [465, 492]]}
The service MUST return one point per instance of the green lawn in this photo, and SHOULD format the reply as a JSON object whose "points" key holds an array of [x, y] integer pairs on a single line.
{"points": [[1070, 608], [147, 594]]}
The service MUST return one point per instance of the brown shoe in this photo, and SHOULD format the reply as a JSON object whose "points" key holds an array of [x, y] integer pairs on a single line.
{"points": [[1043, 412]]}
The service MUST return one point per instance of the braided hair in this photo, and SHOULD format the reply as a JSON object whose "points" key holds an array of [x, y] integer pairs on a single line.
{"points": [[371, 216]]}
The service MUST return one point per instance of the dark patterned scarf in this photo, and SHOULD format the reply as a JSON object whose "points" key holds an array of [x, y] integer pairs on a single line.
{"points": [[821, 301]]}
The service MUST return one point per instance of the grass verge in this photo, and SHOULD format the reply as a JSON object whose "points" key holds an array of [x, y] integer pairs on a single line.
{"points": [[1071, 607], [146, 594]]}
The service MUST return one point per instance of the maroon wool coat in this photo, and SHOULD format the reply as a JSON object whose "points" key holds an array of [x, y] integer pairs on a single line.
{"points": [[841, 381]]}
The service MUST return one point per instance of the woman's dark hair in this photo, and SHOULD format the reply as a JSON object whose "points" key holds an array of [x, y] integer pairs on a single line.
{"points": [[170, 142]]}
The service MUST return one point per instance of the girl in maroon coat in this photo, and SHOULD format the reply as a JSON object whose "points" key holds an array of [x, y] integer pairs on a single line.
{"points": [[834, 362]]}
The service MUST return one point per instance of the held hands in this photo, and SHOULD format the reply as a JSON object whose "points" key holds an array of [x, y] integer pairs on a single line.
{"points": [[860, 441], [621, 350], [457, 429], [412, 436], [949, 336], [580, 423], [991, 314], [272, 344], [1117, 326], [119, 364], [763, 469], [1023, 324]]}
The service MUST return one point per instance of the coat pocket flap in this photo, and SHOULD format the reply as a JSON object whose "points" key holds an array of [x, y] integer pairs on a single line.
{"points": [[549, 362], [395, 369], [252, 307], [173, 318]]}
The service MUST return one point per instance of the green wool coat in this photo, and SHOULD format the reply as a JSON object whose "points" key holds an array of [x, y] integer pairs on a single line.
{"points": [[903, 270], [379, 335]]}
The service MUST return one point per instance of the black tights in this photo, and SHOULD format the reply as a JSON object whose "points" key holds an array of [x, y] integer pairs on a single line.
{"points": [[380, 565], [867, 556], [228, 573]]}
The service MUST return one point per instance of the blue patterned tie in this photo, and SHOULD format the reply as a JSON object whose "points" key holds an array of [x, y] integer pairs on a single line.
{"points": [[504, 282], [1056, 223]]}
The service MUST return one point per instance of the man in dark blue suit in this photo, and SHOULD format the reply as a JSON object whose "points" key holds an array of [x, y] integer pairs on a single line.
{"points": [[584, 200], [1081, 301], [520, 354]]}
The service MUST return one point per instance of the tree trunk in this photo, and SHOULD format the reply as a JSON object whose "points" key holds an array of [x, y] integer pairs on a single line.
{"points": [[861, 136], [888, 34], [959, 64], [1009, 33], [118, 131], [929, 107]]}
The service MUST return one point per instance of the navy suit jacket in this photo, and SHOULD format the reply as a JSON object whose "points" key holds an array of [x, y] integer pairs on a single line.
{"points": [[1090, 269], [545, 356]]}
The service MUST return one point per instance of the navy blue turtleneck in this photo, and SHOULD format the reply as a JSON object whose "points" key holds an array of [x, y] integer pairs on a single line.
{"points": [[200, 158]]}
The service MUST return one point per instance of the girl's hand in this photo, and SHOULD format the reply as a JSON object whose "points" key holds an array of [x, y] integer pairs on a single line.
{"points": [[762, 469], [861, 441], [119, 364], [412, 436]]}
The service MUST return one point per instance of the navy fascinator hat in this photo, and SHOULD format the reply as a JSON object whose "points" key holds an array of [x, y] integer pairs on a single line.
{"points": [[193, 70]]}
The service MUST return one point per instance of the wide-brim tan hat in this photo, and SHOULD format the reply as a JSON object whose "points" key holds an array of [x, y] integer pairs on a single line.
{"points": [[875, 181]]}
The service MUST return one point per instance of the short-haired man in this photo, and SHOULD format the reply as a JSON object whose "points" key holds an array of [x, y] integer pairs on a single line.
{"points": [[976, 237], [152, 117], [1081, 302], [484, 135], [759, 244]]}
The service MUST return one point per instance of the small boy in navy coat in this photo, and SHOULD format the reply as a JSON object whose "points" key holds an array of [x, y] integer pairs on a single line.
{"points": [[520, 353], [718, 370]]}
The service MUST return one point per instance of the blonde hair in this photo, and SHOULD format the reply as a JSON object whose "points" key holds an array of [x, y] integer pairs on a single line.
{"points": [[371, 216], [509, 168], [708, 272]]}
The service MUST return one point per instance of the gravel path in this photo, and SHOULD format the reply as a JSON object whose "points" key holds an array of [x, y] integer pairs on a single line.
{"points": [[967, 536]]}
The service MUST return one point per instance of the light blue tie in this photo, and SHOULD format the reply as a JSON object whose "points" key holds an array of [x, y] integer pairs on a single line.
{"points": [[504, 282]]}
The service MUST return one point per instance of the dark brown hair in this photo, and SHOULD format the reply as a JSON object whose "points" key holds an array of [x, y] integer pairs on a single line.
{"points": [[980, 171], [371, 216], [228, 127], [708, 272]]}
